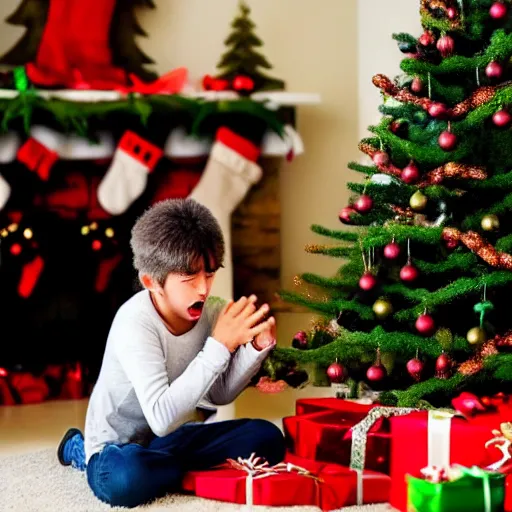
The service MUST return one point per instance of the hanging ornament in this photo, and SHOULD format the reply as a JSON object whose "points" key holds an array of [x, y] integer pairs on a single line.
{"points": [[300, 340], [382, 308], [346, 214], [410, 174], [498, 10], [501, 118], [494, 69], [416, 85], [447, 140], [446, 46], [409, 272], [427, 39], [452, 13], [425, 325], [438, 110], [380, 158], [418, 201], [363, 204], [477, 335], [444, 365], [415, 368], [490, 222], [367, 282], [392, 250], [377, 372], [336, 373]]}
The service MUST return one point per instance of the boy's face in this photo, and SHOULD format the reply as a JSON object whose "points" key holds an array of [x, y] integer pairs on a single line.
{"points": [[184, 295]]}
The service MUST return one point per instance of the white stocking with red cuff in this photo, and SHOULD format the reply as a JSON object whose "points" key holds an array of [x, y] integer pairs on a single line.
{"points": [[225, 181], [126, 179]]}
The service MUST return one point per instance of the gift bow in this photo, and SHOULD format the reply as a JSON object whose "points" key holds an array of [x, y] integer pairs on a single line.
{"points": [[502, 440], [258, 467]]}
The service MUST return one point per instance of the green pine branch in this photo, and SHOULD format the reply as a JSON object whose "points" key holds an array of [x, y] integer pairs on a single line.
{"points": [[472, 222], [346, 236], [379, 236], [324, 307]]}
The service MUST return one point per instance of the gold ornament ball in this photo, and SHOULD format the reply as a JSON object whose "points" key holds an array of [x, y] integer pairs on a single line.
{"points": [[490, 222], [382, 308], [476, 336], [418, 201]]}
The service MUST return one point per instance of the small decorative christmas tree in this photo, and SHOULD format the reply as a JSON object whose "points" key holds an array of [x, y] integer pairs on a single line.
{"points": [[241, 59]]}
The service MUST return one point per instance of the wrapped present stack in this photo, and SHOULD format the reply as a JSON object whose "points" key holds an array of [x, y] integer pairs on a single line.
{"points": [[342, 453]]}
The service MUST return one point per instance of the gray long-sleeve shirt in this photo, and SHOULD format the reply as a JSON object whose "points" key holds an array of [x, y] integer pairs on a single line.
{"points": [[151, 381]]}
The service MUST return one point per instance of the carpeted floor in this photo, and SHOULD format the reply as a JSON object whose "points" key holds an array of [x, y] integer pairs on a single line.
{"points": [[36, 482]]}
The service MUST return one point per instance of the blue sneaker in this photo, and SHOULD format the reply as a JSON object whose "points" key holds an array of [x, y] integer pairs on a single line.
{"points": [[71, 449]]}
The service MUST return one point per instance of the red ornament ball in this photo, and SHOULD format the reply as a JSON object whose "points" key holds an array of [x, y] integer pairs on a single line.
{"points": [[425, 325], [218, 84], [447, 141], [501, 118], [426, 39], [444, 365], [438, 110], [376, 373], [409, 273], [336, 373], [451, 13], [300, 340], [494, 69], [446, 45], [346, 213], [367, 282], [16, 249], [392, 251], [96, 245], [498, 10], [243, 83], [381, 158], [363, 204], [207, 82], [415, 368], [451, 244], [410, 174], [416, 85]]}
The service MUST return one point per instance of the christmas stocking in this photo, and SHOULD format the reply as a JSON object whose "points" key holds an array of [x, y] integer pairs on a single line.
{"points": [[126, 179], [230, 172], [9, 144], [45, 147]]}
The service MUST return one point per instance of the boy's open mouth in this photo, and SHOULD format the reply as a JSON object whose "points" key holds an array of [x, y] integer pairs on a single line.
{"points": [[196, 309]]}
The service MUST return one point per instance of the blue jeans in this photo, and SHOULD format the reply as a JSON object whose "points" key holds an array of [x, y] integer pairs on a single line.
{"points": [[130, 475]]}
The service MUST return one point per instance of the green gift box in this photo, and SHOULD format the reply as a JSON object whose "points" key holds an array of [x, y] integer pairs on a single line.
{"points": [[475, 490]]}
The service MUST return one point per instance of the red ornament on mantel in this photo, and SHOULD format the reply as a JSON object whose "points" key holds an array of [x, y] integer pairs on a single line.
{"points": [[243, 83]]}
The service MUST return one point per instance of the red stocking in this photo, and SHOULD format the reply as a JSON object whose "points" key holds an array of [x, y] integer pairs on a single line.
{"points": [[76, 37], [6, 397], [105, 270], [29, 276], [31, 390], [37, 157]]}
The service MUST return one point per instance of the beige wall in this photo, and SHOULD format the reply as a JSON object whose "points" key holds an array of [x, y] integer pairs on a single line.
{"points": [[315, 46]]}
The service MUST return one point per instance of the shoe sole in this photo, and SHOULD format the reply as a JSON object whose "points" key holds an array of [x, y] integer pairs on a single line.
{"points": [[67, 436]]}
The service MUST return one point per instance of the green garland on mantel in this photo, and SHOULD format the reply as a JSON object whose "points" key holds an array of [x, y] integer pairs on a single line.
{"points": [[200, 115]]}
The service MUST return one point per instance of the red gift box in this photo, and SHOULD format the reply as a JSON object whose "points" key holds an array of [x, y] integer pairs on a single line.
{"points": [[336, 488], [463, 442], [324, 435]]}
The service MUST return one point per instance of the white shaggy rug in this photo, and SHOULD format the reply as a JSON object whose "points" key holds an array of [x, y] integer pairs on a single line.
{"points": [[36, 482]]}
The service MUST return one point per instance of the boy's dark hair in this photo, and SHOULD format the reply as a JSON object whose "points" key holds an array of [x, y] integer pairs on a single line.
{"points": [[176, 235]]}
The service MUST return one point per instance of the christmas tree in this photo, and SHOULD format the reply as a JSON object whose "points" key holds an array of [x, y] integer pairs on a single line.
{"points": [[419, 309], [241, 59]]}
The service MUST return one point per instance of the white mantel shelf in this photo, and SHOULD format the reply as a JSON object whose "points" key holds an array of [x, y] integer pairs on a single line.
{"points": [[275, 98]]}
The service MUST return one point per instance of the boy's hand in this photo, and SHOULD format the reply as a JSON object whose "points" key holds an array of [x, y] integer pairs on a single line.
{"points": [[239, 323], [266, 338]]}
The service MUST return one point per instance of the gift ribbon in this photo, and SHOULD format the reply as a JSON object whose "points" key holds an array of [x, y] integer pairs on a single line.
{"points": [[257, 468], [359, 435], [439, 428], [483, 475]]}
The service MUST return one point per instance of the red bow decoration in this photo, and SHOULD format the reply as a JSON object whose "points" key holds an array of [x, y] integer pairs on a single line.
{"points": [[468, 404]]}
